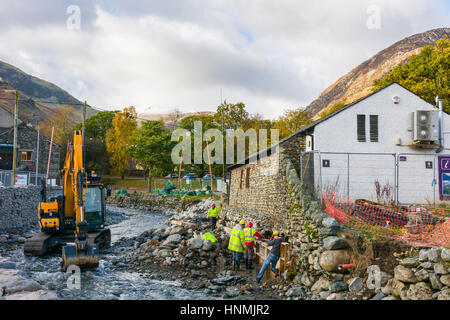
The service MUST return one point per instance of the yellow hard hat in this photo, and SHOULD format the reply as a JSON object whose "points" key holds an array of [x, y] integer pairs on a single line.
{"points": [[242, 222], [275, 233]]}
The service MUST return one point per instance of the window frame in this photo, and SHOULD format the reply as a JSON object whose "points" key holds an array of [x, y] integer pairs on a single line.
{"points": [[361, 131]]}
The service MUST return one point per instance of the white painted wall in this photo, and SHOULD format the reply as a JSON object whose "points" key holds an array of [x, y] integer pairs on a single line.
{"points": [[339, 134]]}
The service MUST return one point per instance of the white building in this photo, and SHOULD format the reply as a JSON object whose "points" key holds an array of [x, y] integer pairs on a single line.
{"points": [[373, 140]]}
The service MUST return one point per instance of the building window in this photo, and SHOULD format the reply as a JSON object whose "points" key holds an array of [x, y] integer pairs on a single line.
{"points": [[373, 128], [247, 178], [361, 127], [26, 156]]}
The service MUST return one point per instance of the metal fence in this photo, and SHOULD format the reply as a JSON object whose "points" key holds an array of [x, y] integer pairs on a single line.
{"points": [[22, 178], [405, 178]]}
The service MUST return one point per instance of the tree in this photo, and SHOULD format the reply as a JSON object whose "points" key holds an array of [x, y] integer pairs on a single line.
{"points": [[62, 122], [97, 157], [123, 125], [426, 73], [151, 146], [291, 121], [234, 116]]}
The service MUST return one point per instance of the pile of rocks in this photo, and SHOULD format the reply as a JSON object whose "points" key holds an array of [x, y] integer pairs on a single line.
{"points": [[16, 285], [425, 276], [179, 243]]}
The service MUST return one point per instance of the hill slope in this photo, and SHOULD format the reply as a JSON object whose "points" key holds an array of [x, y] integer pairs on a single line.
{"points": [[358, 82], [38, 98]]}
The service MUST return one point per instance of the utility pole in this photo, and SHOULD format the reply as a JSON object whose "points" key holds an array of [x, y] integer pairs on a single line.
{"points": [[37, 155], [223, 141], [13, 182], [82, 132]]}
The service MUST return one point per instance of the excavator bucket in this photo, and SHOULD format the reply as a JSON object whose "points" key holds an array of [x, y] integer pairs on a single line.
{"points": [[85, 259]]}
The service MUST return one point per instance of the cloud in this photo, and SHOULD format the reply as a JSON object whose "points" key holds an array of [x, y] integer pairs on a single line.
{"points": [[167, 54]]}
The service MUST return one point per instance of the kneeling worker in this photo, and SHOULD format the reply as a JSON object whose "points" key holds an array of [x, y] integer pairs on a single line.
{"points": [[249, 254]]}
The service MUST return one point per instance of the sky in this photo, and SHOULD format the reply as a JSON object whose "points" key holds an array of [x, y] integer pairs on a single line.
{"points": [[161, 56]]}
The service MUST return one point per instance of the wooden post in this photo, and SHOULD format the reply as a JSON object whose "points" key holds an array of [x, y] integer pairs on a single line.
{"points": [[37, 155], [49, 156], [16, 111], [210, 172]]}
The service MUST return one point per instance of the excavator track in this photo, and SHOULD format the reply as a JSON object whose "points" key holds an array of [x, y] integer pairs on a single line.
{"points": [[40, 243]]}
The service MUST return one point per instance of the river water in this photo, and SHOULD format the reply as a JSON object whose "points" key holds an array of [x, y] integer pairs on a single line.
{"points": [[110, 280]]}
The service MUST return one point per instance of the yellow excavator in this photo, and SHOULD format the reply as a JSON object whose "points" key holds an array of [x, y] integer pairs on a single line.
{"points": [[75, 219]]}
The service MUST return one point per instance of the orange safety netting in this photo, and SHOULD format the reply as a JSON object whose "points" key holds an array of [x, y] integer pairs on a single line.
{"points": [[416, 226]]}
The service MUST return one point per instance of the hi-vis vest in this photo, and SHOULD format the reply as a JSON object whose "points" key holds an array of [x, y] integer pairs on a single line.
{"points": [[213, 213], [237, 240], [209, 236], [249, 234]]}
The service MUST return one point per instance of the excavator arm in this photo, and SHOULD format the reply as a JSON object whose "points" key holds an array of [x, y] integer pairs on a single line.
{"points": [[79, 253]]}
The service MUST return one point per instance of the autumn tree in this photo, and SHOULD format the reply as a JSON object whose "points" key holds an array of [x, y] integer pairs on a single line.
{"points": [[151, 146], [97, 157], [123, 125], [291, 121], [426, 73], [63, 125]]}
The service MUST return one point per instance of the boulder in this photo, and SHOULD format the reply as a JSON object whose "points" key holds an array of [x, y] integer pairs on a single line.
{"points": [[21, 285], [434, 254], [334, 243], [444, 294], [355, 284], [445, 255], [410, 262], [426, 265], [35, 295], [378, 296], [330, 222], [232, 292], [329, 231], [404, 274], [172, 239], [440, 269], [306, 281], [335, 296], [395, 287], [296, 292], [421, 275], [338, 286], [435, 283], [323, 284], [196, 243], [445, 280], [423, 255], [419, 291], [331, 259]]}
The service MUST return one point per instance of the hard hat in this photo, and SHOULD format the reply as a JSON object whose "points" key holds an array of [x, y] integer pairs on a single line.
{"points": [[249, 224], [275, 233], [242, 222]]}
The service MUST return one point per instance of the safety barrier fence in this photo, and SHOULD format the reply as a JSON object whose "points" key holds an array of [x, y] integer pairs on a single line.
{"points": [[414, 225]]}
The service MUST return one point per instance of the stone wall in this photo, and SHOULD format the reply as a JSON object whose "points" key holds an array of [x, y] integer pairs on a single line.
{"points": [[18, 208], [383, 270]]}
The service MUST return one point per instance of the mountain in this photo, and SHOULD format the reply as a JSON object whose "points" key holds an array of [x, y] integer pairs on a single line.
{"points": [[38, 98], [359, 81], [172, 119]]}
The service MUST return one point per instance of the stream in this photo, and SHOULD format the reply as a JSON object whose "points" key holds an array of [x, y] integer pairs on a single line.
{"points": [[110, 280]]}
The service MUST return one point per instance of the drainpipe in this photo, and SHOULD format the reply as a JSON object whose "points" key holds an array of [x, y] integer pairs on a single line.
{"points": [[441, 125]]}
